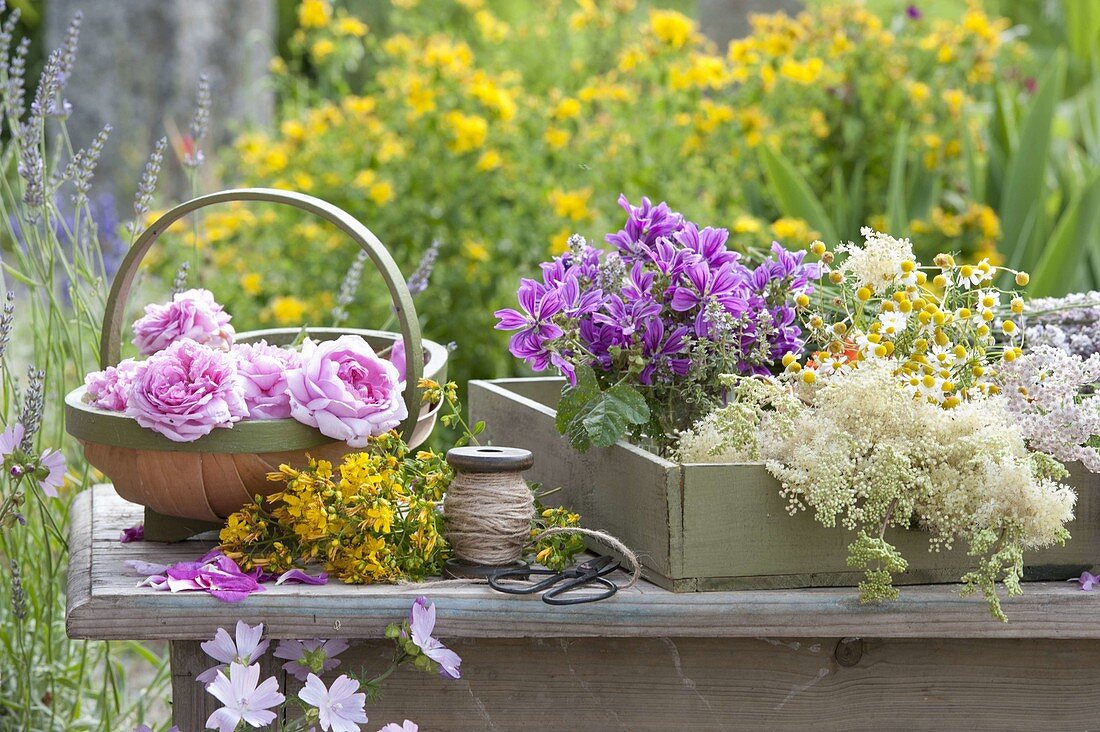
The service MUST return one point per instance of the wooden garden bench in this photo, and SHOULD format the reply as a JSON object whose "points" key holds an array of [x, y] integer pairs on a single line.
{"points": [[646, 659]]}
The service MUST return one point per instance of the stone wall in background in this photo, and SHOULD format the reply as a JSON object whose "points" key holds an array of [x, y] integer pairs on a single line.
{"points": [[724, 20], [138, 69]]}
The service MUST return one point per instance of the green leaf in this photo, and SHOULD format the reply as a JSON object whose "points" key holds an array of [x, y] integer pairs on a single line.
{"points": [[793, 195], [591, 417], [573, 398], [1024, 177], [615, 411], [895, 192], [1073, 236]]}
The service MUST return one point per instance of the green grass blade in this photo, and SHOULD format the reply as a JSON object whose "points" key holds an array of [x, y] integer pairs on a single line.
{"points": [[1074, 237], [793, 195], [1024, 179], [896, 209]]}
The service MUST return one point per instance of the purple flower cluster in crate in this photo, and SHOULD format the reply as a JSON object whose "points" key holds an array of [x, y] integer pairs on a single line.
{"points": [[670, 303]]}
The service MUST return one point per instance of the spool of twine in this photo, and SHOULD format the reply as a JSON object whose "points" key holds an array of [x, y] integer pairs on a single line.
{"points": [[489, 508]]}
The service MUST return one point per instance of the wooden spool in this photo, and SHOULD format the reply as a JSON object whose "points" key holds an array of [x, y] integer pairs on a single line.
{"points": [[473, 466], [189, 487]]}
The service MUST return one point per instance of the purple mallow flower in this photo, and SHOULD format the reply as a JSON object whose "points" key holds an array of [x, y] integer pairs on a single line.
{"points": [[421, 625], [304, 657], [673, 293], [248, 647], [645, 224], [245, 698], [340, 706], [913, 12]]}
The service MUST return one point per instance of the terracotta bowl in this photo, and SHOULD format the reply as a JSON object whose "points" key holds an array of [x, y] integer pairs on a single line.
{"points": [[217, 474]]}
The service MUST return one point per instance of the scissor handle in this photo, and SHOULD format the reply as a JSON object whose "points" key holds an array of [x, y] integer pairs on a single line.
{"points": [[551, 578], [554, 596]]}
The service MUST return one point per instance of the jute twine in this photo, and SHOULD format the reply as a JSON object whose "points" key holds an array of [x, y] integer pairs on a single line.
{"points": [[488, 517], [628, 556]]}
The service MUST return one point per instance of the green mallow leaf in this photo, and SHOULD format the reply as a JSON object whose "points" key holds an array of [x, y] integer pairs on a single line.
{"points": [[590, 417]]}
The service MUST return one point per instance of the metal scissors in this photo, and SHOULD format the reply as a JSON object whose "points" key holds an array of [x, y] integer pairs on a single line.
{"points": [[586, 574]]}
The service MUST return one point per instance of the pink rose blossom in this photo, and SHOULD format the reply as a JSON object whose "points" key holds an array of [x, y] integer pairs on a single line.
{"points": [[187, 390], [345, 390], [397, 358], [262, 372], [110, 388], [193, 315]]}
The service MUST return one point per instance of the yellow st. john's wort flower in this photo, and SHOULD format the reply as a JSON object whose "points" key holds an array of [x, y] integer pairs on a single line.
{"points": [[468, 131], [314, 13], [287, 310], [671, 27], [571, 204]]}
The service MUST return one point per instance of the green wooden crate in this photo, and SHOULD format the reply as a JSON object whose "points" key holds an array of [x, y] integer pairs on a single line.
{"points": [[719, 527]]}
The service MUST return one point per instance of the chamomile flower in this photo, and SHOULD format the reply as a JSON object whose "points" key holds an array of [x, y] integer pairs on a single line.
{"points": [[893, 323]]}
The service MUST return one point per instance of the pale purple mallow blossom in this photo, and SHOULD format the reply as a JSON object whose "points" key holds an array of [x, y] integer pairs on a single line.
{"points": [[51, 472], [186, 391], [407, 726], [109, 389], [346, 391], [245, 698], [261, 369], [215, 574], [340, 707], [133, 533], [147, 728], [421, 625], [246, 650], [1087, 581], [11, 438], [191, 315], [304, 657]]}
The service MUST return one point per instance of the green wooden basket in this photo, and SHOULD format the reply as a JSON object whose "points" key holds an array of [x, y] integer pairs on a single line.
{"points": [[197, 484]]}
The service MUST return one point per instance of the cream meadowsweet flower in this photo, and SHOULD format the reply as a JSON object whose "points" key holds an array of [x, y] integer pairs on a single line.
{"points": [[878, 263]]}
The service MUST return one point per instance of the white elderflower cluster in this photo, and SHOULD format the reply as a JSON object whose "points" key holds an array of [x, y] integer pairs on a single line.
{"points": [[869, 456], [732, 434], [878, 263], [1050, 393]]}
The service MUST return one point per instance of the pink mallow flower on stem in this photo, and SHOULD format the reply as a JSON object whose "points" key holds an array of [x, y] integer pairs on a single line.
{"points": [[248, 649], [186, 392], [48, 468], [421, 625], [191, 315], [262, 369], [345, 390], [407, 726], [340, 707], [245, 698], [310, 656]]}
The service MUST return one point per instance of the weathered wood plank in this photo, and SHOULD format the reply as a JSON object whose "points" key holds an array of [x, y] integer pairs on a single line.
{"points": [[107, 604], [739, 683]]}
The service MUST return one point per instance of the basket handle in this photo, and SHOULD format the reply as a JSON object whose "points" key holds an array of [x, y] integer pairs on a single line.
{"points": [[110, 346]]}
